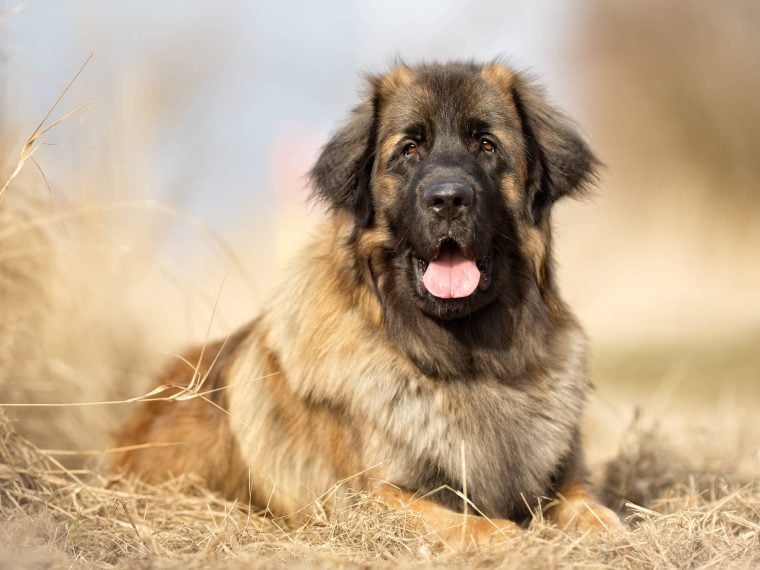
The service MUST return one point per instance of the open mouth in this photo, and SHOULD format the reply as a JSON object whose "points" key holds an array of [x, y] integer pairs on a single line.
{"points": [[449, 274]]}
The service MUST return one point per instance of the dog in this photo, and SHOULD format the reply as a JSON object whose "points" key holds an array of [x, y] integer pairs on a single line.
{"points": [[420, 342]]}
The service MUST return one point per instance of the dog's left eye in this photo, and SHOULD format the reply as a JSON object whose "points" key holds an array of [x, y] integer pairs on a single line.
{"points": [[487, 145]]}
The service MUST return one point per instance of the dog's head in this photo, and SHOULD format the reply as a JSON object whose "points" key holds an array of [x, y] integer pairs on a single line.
{"points": [[456, 167]]}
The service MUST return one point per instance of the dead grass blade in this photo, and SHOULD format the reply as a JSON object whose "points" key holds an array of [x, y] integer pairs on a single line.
{"points": [[33, 143]]}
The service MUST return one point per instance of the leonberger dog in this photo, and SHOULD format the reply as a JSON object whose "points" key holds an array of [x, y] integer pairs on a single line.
{"points": [[419, 344]]}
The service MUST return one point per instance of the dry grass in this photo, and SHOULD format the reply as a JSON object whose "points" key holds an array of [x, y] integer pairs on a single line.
{"points": [[57, 516]]}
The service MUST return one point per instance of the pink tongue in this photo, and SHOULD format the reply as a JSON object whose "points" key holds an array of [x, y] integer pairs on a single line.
{"points": [[451, 276]]}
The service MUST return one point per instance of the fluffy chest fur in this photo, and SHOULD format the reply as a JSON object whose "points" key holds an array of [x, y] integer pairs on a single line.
{"points": [[516, 435], [517, 424]]}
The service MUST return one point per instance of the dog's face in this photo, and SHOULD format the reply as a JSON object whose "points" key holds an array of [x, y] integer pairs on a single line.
{"points": [[456, 166]]}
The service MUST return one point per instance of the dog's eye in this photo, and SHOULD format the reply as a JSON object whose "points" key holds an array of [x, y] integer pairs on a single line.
{"points": [[487, 145], [410, 149]]}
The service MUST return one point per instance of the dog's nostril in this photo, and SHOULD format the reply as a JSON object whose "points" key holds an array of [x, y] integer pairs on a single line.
{"points": [[448, 199]]}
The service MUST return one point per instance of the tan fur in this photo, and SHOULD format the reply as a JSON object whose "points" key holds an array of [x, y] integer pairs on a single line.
{"points": [[577, 509], [456, 529], [396, 78], [498, 74], [191, 436]]}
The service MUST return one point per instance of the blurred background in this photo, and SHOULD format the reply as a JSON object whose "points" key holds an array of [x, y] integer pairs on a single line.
{"points": [[164, 210]]}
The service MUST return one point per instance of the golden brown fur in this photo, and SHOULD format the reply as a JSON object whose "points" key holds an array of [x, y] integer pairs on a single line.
{"points": [[354, 371]]}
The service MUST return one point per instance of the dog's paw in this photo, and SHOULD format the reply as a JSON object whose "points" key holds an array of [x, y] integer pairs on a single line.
{"points": [[585, 515], [479, 531], [482, 530]]}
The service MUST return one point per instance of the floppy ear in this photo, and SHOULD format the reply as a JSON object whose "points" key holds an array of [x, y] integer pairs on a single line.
{"points": [[341, 176], [560, 163]]}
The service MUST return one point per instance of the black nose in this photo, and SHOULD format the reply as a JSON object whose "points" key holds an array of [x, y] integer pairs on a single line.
{"points": [[448, 199]]}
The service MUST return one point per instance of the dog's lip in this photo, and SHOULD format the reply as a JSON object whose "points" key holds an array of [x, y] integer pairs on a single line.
{"points": [[450, 244], [444, 243]]}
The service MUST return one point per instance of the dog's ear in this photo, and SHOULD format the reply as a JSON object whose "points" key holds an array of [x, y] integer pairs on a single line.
{"points": [[560, 162], [342, 174]]}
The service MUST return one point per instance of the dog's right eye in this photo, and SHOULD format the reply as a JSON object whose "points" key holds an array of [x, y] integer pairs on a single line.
{"points": [[487, 145], [410, 149]]}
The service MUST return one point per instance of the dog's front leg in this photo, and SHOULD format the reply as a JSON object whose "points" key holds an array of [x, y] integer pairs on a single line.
{"points": [[456, 529], [576, 508]]}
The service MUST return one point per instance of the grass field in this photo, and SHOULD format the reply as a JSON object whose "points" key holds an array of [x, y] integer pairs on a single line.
{"points": [[697, 506]]}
